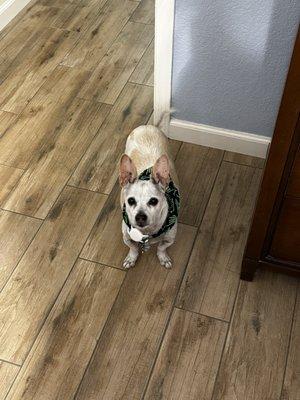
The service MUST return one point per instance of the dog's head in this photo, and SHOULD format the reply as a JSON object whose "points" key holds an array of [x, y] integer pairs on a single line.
{"points": [[145, 200]]}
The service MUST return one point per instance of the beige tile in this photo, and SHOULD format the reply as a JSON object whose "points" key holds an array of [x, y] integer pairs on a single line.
{"points": [[144, 12], [254, 358], [98, 38], [144, 72], [34, 285], [244, 159], [56, 363], [8, 372], [113, 71], [126, 351], [98, 169], [197, 168], [189, 357], [29, 70], [9, 177], [42, 120], [49, 171], [105, 243], [212, 276], [6, 120], [16, 233]]}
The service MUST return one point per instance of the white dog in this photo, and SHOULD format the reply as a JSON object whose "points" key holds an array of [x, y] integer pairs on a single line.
{"points": [[149, 195]]}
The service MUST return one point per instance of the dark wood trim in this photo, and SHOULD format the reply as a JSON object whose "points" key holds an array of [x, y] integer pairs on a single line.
{"points": [[279, 164], [278, 154], [250, 266]]}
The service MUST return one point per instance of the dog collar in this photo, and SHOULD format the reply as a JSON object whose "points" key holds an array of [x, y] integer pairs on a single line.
{"points": [[173, 200]]}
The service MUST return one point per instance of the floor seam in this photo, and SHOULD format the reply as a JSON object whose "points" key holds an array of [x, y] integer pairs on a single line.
{"points": [[202, 314], [10, 362]]}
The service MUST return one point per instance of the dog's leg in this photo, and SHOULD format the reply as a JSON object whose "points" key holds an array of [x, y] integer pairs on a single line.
{"points": [[162, 254], [133, 253], [166, 242]]}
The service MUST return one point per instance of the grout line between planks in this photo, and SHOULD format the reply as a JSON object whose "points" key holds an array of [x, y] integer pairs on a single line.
{"points": [[203, 315], [10, 362], [102, 264]]}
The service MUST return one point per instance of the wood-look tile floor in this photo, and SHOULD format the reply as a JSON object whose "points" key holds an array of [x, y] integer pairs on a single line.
{"points": [[76, 77]]}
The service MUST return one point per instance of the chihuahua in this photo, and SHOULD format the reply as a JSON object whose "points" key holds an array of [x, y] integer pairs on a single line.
{"points": [[149, 194]]}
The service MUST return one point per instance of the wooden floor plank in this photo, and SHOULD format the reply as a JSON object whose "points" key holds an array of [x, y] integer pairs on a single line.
{"points": [[144, 72], [57, 361], [144, 12], [52, 166], [78, 17], [8, 372], [98, 168], [175, 146], [291, 385], [35, 283], [73, 18], [57, 3], [9, 177], [67, 3], [197, 168], [32, 19], [217, 255], [32, 66], [42, 119], [97, 39], [188, 361], [16, 233], [100, 247], [253, 363], [244, 159], [113, 71], [130, 340], [6, 120]]}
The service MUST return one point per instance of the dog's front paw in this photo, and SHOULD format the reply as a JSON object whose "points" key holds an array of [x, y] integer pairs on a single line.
{"points": [[129, 261], [164, 260]]}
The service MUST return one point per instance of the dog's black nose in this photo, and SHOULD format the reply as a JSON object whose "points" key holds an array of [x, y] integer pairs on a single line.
{"points": [[141, 219]]}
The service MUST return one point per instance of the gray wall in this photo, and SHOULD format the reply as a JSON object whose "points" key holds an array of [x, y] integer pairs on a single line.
{"points": [[230, 61]]}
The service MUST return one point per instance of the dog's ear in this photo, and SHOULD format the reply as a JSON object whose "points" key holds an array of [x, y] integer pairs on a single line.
{"points": [[161, 170], [127, 170]]}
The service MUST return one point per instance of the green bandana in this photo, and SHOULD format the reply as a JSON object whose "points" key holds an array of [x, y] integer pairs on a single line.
{"points": [[173, 200]]}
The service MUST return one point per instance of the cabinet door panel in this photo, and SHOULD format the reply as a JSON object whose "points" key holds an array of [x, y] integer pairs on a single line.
{"points": [[286, 240]]}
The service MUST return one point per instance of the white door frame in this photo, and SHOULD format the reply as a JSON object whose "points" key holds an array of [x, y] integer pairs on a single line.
{"points": [[163, 56]]}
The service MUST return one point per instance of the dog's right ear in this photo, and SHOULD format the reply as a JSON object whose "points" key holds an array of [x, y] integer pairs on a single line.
{"points": [[128, 171]]}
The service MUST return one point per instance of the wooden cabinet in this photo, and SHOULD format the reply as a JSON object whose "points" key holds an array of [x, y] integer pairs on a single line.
{"points": [[274, 239]]}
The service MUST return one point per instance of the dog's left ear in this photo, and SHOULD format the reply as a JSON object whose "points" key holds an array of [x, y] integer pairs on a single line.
{"points": [[161, 170]]}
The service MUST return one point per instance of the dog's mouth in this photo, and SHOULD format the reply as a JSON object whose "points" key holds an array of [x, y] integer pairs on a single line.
{"points": [[142, 224]]}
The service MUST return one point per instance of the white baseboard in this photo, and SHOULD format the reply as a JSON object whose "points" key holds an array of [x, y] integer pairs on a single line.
{"points": [[205, 135], [9, 9]]}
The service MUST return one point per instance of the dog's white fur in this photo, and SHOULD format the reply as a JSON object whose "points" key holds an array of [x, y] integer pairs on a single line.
{"points": [[147, 146]]}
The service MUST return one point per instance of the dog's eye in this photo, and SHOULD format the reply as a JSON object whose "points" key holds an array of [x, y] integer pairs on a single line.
{"points": [[153, 201], [131, 201]]}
